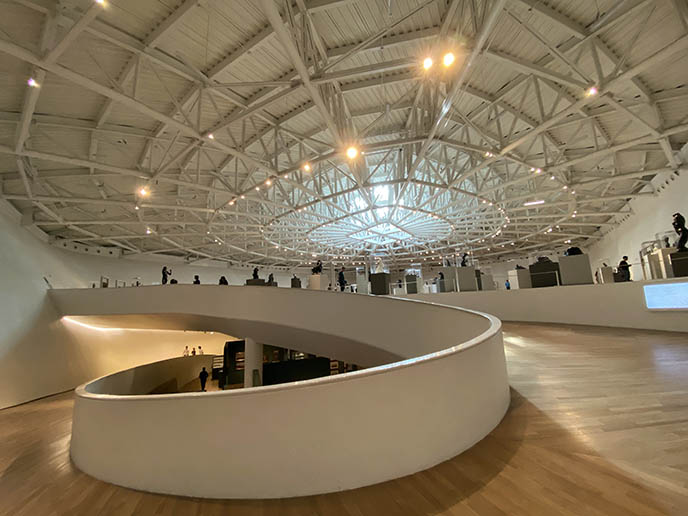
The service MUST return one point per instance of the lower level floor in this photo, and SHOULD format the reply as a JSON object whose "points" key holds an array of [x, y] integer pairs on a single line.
{"points": [[598, 425]]}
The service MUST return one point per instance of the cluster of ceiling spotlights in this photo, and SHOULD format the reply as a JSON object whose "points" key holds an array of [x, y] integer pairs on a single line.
{"points": [[351, 153], [447, 60]]}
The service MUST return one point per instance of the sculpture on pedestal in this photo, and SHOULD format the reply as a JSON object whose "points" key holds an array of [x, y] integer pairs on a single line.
{"points": [[464, 256], [318, 268], [679, 224], [255, 273]]}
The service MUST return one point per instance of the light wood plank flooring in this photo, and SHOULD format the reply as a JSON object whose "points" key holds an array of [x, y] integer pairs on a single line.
{"points": [[598, 425]]}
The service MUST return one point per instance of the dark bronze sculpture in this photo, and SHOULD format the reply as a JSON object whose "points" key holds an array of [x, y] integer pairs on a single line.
{"points": [[255, 273], [464, 256], [318, 268], [679, 224]]}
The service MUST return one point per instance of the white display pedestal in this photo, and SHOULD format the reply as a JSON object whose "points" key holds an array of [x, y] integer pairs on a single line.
{"points": [[487, 282], [655, 269], [575, 270], [449, 279], [605, 274], [314, 282], [466, 277], [520, 278], [664, 262], [362, 284], [398, 291]]}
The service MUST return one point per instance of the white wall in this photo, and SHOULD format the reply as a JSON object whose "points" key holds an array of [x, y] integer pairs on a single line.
{"points": [[39, 353], [612, 304], [652, 216]]}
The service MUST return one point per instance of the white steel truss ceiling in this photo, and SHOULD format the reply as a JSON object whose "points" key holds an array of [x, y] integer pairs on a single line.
{"points": [[220, 129]]}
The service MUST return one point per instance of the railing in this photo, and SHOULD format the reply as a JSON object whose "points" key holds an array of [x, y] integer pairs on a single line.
{"points": [[332, 433]]}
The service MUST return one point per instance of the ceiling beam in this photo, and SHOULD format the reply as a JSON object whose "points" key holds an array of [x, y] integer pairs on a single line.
{"points": [[89, 84], [270, 10], [152, 40]]}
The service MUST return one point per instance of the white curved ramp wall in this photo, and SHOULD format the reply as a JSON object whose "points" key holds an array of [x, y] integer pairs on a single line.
{"points": [[169, 375], [358, 329], [301, 438]]}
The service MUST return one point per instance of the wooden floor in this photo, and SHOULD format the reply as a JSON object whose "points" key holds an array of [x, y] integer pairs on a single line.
{"points": [[598, 425]]}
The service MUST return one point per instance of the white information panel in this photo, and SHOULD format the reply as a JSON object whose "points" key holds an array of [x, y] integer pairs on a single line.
{"points": [[666, 296]]}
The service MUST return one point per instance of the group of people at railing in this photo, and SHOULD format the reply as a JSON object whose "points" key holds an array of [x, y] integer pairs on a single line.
{"points": [[341, 279], [167, 273], [193, 352]]}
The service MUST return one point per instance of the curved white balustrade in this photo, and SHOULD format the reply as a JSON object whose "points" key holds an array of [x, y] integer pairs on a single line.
{"points": [[446, 391], [163, 376]]}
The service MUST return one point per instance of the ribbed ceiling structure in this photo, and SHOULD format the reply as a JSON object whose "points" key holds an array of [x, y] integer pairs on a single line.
{"points": [[222, 129]]}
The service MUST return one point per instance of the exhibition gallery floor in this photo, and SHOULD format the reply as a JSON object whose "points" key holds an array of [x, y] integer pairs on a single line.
{"points": [[598, 425]]}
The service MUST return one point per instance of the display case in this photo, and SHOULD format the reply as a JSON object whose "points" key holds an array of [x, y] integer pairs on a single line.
{"points": [[679, 264], [544, 274], [379, 284]]}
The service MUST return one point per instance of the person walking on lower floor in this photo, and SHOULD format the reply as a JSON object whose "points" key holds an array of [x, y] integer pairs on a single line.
{"points": [[203, 377]]}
